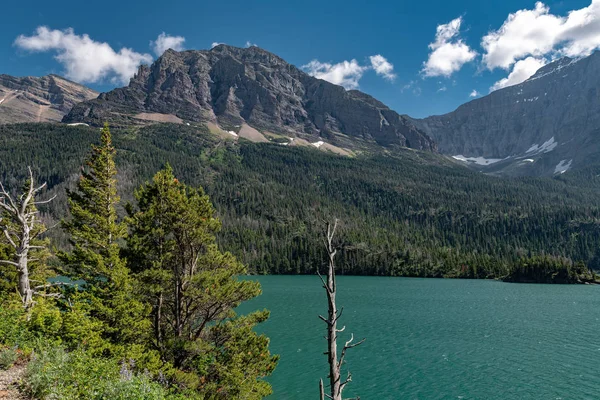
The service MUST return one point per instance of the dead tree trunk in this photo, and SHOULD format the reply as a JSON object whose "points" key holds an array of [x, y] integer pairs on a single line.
{"points": [[20, 225], [336, 385]]}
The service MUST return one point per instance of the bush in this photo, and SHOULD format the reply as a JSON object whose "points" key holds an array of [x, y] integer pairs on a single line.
{"points": [[8, 357], [57, 374], [13, 327]]}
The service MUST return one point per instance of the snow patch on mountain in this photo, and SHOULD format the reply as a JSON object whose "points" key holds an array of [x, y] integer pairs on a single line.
{"points": [[563, 166], [546, 147], [318, 144], [477, 160]]}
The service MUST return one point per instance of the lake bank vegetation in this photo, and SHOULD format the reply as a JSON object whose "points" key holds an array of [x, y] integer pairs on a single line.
{"points": [[148, 309]]}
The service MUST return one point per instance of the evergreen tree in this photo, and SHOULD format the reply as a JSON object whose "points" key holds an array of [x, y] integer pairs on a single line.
{"points": [[194, 289], [94, 234]]}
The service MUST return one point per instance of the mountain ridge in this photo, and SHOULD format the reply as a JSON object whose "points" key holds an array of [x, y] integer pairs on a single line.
{"points": [[537, 127], [231, 86], [39, 99]]}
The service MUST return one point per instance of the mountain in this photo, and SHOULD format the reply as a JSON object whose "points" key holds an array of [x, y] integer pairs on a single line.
{"points": [[543, 126], [44, 99], [253, 93]]}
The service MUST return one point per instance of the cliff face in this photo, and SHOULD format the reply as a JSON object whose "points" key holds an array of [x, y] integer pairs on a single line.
{"points": [[44, 99], [232, 86], [543, 126]]}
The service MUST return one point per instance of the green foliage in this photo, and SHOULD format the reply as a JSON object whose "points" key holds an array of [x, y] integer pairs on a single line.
{"points": [[8, 274], [8, 357], [13, 326], [194, 289], [93, 226], [57, 374], [232, 359], [405, 213], [93, 341], [45, 319], [108, 295], [547, 269]]}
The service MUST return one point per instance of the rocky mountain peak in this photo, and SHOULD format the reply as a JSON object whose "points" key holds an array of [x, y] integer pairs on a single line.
{"points": [[232, 86]]}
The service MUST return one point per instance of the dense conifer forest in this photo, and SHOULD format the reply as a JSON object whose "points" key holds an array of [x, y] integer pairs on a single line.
{"points": [[404, 213]]}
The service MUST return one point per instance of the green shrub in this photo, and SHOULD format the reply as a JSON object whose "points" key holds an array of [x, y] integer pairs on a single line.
{"points": [[8, 357], [57, 374], [13, 327]]}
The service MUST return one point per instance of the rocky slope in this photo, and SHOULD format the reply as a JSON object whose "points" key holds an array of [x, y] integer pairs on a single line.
{"points": [[543, 126], [44, 99], [253, 90]]}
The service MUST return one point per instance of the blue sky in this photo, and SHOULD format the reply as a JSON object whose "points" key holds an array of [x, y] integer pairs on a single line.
{"points": [[418, 72]]}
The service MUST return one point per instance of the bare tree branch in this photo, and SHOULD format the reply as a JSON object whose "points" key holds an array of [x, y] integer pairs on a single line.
{"points": [[336, 385], [18, 222]]}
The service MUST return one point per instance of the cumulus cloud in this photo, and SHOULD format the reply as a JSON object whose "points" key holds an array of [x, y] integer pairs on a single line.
{"points": [[250, 44], [522, 70], [84, 59], [215, 44], [448, 53], [538, 33], [345, 73], [474, 93], [164, 42], [383, 67], [348, 73]]}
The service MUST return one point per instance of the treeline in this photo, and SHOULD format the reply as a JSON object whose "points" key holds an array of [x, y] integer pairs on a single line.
{"points": [[550, 270], [405, 213], [140, 306]]}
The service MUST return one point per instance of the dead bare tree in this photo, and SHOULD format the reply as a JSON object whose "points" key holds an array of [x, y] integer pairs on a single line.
{"points": [[336, 385], [20, 225]]}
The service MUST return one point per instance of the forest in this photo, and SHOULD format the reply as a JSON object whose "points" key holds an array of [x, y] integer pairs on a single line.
{"points": [[403, 213], [141, 307]]}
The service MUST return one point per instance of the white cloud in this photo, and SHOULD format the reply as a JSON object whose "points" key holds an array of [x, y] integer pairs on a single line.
{"points": [[522, 70], [348, 73], [250, 44], [84, 59], [383, 67], [215, 44], [448, 53], [474, 93], [442, 89], [539, 33], [345, 73], [164, 42]]}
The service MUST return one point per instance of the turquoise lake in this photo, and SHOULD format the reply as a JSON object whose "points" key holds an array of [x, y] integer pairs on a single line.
{"points": [[437, 339]]}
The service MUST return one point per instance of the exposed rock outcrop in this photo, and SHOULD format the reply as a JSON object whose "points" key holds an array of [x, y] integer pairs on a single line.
{"points": [[235, 86], [543, 126], [44, 99]]}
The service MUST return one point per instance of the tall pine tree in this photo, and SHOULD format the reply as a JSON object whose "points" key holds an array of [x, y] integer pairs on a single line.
{"points": [[94, 232], [194, 289]]}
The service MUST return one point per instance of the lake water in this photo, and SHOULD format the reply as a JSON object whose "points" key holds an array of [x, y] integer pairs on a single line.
{"points": [[438, 339]]}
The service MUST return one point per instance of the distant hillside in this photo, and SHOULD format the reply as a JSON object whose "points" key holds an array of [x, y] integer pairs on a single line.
{"points": [[45, 99], [544, 126], [410, 213], [252, 93]]}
